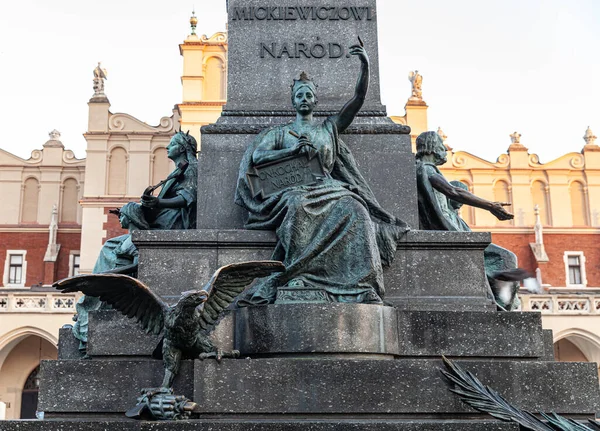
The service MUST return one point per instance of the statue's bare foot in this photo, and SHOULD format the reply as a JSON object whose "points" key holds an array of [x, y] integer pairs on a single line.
{"points": [[219, 355]]}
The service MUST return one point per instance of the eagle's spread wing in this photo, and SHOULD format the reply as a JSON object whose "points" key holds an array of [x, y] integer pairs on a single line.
{"points": [[228, 282], [128, 295]]}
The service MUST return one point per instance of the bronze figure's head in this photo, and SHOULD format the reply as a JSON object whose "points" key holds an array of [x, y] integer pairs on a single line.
{"points": [[304, 94], [430, 143]]}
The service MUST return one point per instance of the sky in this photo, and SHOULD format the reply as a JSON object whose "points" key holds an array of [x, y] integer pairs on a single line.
{"points": [[489, 67]]}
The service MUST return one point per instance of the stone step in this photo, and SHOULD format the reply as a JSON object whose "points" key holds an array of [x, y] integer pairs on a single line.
{"points": [[324, 386], [404, 386], [352, 328], [260, 425]]}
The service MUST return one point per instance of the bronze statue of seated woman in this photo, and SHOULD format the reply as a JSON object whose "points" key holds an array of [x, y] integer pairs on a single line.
{"points": [[333, 237]]}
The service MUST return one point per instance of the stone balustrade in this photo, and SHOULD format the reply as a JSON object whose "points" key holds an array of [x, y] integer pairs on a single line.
{"points": [[37, 302], [562, 304]]}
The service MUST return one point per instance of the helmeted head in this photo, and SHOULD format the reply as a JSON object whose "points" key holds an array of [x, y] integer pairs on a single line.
{"points": [[452, 203], [430, 143], [182, 143], [304, 94], [132, 213]]}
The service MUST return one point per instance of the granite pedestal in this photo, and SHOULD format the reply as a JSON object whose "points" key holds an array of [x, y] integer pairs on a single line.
{"points": [[320, 367]]}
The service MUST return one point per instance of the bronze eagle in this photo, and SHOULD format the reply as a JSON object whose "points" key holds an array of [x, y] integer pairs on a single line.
{"points": [[186, 324]]}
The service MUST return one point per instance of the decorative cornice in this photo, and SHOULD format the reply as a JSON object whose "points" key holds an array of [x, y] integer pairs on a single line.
{"points": [[292, 113], [217, 103], [127, 123], [253, 129]]}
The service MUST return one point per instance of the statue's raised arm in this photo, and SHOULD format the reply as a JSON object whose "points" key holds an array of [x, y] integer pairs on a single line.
{"points": [[350, 109]]}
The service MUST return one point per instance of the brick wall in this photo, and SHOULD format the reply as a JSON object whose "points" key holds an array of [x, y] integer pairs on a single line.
{"points": [[36, 243], [112, 226], [553, 272]]}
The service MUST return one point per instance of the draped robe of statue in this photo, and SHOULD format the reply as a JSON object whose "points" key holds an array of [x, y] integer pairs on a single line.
{"points": [[435, 214], [332, 235], [185, 186], [120, 251], [116, 253]]}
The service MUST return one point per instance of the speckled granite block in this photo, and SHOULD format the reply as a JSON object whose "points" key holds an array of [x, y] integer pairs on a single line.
{"points": [[300, 328], [112, 334], [71, 425], [68, 345], [172, 262], [432, 270], [334, 72], [471, 334], [386, 387], [548, 345], [259, 425], [103, 386], [435, 270], [385, 160]]}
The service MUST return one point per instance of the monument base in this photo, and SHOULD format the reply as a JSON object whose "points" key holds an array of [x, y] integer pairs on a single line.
{"points": [[261, 425]]}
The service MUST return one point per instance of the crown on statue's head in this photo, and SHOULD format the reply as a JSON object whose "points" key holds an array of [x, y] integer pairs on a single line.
{"points": [[304, 81]]}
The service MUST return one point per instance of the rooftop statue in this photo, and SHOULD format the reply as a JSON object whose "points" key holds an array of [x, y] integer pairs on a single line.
{"points": [[173, 208], [185, 325], [439, 202], [99, 76], [416, 80], [301, 180]]}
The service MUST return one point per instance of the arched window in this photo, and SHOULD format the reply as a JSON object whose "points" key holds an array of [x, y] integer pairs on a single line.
{"points": [[579, 208], [117, 172], [29, 205], [540, 198], [502, 194], [69, 202], [214, 79], [160, 165]]}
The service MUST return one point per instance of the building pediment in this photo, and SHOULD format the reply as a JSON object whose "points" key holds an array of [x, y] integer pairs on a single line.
{"points": [[568, 161], [7, 158], [126, 123], [464, 160], [219, 37]]}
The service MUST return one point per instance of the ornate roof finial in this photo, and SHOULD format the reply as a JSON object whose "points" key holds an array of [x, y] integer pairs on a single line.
{"points": [[54, 140], [589, 137], [193, 22], [515, 139]]}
